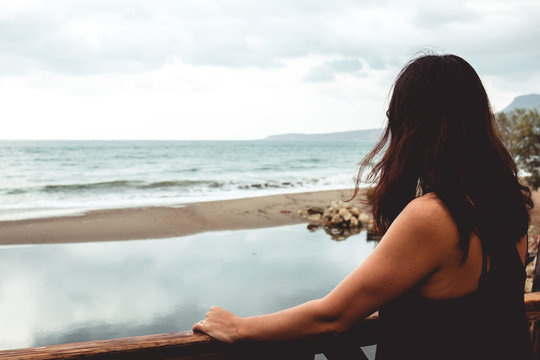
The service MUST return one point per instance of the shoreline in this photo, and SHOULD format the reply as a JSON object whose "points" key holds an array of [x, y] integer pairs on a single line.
{"points": [[162, 222]]}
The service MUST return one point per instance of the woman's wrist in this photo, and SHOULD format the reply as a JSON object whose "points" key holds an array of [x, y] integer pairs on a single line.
{"points": [[239, 332]]}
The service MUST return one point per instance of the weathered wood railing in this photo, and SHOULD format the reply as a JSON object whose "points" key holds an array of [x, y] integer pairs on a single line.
{"points": [[190, 346]]}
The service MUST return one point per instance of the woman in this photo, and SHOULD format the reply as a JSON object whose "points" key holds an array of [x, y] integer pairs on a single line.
{"points": [[447, 276]]}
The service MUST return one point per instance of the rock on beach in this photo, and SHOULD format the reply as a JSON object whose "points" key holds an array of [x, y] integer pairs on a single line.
{"points": [[338, 214]]}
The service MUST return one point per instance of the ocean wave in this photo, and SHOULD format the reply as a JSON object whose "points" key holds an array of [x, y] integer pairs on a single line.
{"points": [[105, 185], [15, 191], [117, 185], [182, 184], [280, 184]]}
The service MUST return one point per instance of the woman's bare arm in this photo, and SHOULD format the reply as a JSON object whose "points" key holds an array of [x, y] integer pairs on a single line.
{"points": [[414, 247]]}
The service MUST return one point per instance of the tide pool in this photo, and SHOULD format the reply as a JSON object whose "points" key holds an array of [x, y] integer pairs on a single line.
{"points": [[61, 293]]}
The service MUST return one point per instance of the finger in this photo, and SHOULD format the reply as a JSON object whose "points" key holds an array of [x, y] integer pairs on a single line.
{"points": [[199, 326]]}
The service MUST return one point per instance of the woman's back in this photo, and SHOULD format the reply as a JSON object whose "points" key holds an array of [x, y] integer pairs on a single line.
{"points": [[470, 309], [441, 139]]}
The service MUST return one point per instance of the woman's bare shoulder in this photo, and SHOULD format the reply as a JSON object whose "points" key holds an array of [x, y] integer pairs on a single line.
{"points": [[429, 216], [427, 205]]}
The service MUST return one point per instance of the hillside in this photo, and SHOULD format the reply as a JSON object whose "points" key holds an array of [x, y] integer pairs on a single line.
{"points": [[524, 102], [370, 135]]}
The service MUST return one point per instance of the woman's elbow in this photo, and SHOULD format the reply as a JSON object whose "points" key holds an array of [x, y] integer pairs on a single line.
{"points": [[331, 318], [338, 327]]}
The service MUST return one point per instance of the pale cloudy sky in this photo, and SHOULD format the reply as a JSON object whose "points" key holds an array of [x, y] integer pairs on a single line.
{"points": [[240, 69]]}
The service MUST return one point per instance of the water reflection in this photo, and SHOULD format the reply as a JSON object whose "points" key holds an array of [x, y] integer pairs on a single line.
{"points": [[343, 233], [51, 294]]}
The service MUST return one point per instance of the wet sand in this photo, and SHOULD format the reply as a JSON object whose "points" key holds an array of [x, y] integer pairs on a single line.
{"points": [[162, 222]]}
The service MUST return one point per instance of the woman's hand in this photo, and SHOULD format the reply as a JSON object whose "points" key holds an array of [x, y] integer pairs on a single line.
{"points": [[220, 324]]}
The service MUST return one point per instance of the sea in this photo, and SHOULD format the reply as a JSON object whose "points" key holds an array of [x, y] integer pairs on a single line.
{"points": [[57, 178]]}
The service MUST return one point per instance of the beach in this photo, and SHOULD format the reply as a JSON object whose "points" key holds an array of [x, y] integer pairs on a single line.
{"points": [[161, 222]]}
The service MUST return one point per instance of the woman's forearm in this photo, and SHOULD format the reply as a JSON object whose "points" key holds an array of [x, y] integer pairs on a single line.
{"points": [[310, 318]]}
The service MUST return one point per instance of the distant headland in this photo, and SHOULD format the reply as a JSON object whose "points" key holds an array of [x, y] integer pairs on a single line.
{"points": [[370, 135], [524, 102]]}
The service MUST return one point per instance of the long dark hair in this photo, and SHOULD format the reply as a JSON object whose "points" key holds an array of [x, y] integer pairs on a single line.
{"points": [[441, 138]]}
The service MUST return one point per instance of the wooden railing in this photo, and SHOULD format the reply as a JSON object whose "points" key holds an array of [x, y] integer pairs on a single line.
{"points": [[195, 346]]}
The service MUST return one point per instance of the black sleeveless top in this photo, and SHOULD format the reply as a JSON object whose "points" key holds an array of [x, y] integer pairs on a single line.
{"points": [[489, 323]]}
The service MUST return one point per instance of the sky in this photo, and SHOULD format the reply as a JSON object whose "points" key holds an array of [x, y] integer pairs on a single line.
{"points": [[241, 69]]}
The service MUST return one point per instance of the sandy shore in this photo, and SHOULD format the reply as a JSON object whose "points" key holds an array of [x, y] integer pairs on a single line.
{"points": [[161, 222]]}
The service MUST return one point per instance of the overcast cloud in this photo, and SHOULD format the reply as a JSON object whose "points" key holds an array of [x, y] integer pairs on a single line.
{"points": [[196, 69]]}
